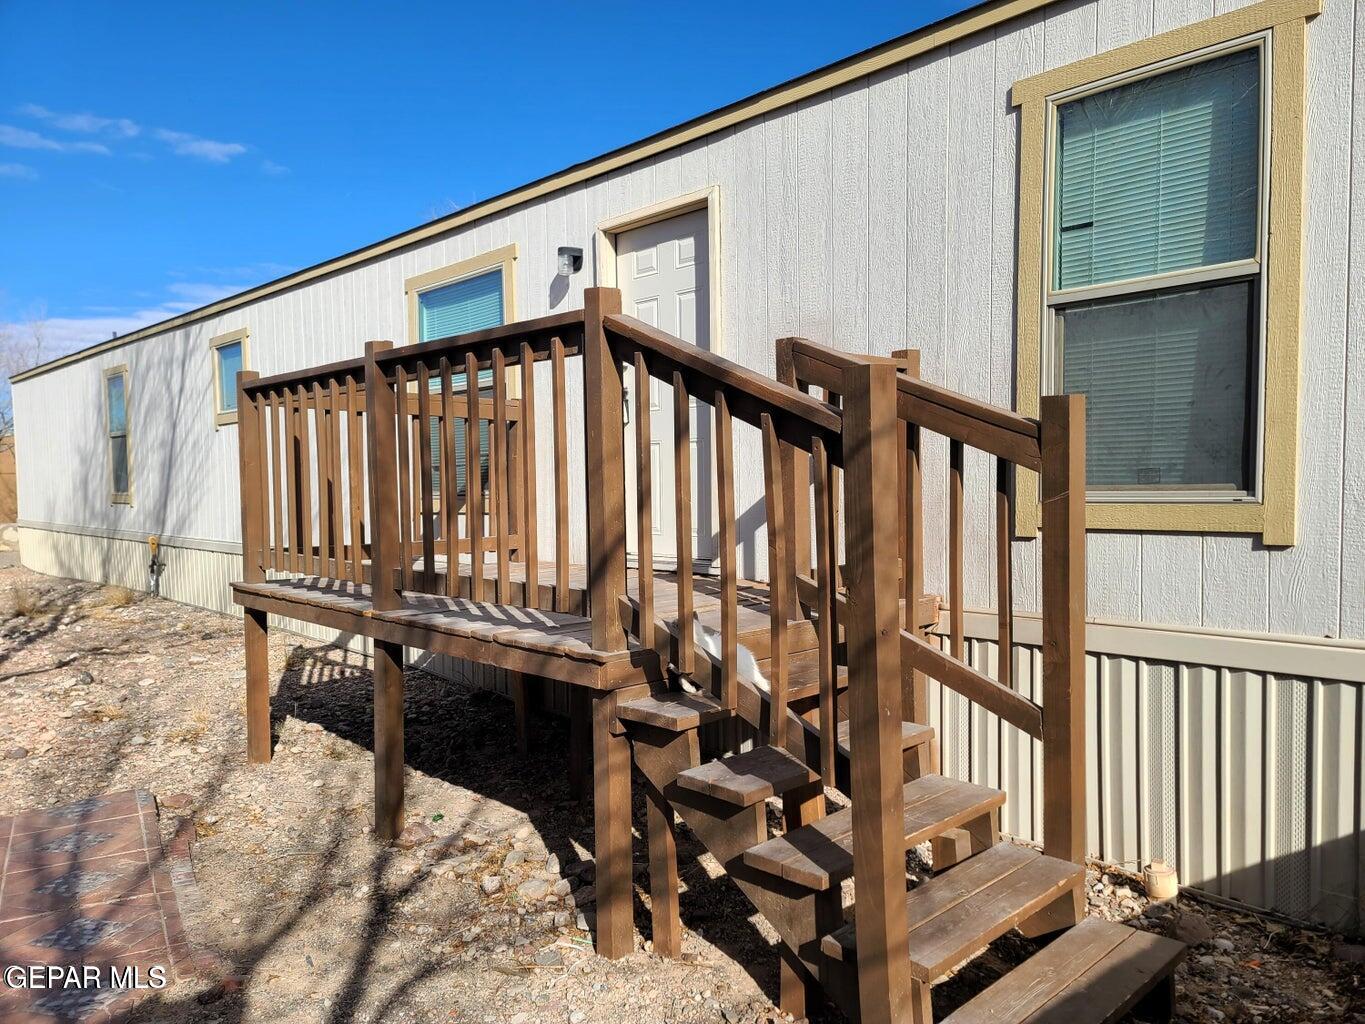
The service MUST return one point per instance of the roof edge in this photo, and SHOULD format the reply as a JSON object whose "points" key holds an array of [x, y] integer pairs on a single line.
{"points": [[937, 34]]}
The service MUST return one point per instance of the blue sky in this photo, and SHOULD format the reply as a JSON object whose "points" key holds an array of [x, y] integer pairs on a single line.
{"points": [[157, 156]]}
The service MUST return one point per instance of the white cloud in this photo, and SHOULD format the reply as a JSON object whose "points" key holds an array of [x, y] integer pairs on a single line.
{"points": [[91, 124], [22, 171], [185, 144], [22, 138], [272, 168]]}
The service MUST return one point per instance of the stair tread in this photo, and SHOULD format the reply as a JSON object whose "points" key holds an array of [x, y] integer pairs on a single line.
{"points": [[961, 911], [1092, 974], [748, 778], [912, 735], [673, 710], [820, 855], [803, 675]]}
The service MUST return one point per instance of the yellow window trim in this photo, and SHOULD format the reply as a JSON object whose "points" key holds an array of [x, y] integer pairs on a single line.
{"points": [[223, 417], [119, 497], [503, 259], [1273, 517]]}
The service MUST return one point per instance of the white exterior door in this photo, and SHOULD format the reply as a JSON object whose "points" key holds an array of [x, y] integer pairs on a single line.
{"points": [[662, 271]]}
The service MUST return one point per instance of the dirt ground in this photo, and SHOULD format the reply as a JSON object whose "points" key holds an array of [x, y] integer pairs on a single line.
{"points": [[488, 921]]}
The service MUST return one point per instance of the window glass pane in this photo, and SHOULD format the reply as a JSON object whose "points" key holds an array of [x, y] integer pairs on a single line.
{"points": [[118, 412], [1158, 175], [118, 453], [1166, 380], [229, 362]]}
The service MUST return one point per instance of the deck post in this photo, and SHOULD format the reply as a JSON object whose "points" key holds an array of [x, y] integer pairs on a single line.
{"points": [[611, 830], [603, 388], [1063, 497], [255, 628], [381, 415], [872, 628]]}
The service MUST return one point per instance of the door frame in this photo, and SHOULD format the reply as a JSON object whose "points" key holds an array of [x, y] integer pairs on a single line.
{"points": [[707, 199]]}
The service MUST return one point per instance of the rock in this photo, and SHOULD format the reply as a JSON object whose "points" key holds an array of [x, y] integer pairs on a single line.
{"points": [[549, 957], [472, 841], [581, 922], [561, 919], [513, 859], [177, 801], [522, 833], [577, 1017], [561, 888], [1190, 928], [552, 864], [414, 836], [534, 889], [491, 884], [537, 855], [16, 753], [1225, 945]]}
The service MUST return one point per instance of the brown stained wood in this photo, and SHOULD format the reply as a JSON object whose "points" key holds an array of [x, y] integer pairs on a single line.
{"points": [[748, 778], [1136, 975], [796, 471], [729, 554], [663, 875], [644, 494], [473, 479], [388, 740], [263, 480], [381, 399], [612, 830], [309, 562], [674, 711], [825, 610], [424, 461], [516, 685], [277, 561], [871, 623], [335, 478], [323, 462], [955, 528], [603, 387], [1004, 590], [561, 445], [1063, 556], [402, 437], [355, 481], [249, 470], [682, 519], [957, 675], [255, 638], [450, 482], [780, 579], [912, 735], [498, 476], [293, 549], [530, 525]]}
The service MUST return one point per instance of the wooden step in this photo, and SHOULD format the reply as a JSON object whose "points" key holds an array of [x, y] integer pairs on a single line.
{"points": [[673, 710], [912, 735], [803, 675], [748, 778], [958, 913], [820, 855], [1093, 974]]}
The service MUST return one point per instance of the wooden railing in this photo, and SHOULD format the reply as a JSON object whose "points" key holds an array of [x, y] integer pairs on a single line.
{"points": [[1053, 447]]}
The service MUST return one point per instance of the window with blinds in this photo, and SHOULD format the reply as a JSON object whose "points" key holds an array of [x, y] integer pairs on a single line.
{"points": [[1154, 284], [471, 304], [116, 414]]}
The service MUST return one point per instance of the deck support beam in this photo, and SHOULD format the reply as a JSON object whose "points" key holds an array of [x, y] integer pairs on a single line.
{"points": [[663, 876], [611, 829], [258, 749], [388, 740]]}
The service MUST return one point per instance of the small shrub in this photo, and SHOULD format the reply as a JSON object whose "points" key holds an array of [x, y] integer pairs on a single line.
{"points": [[27, 603], [116, 597]]}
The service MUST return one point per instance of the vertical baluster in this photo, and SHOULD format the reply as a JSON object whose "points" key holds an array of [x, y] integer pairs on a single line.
{"points": [[1004, 590], [837, 485], [779, 580], [644, 501], [337, 496], [529, 526], [292, 487], [402, 436], [355, 483], [826, 623], [682, 491], [561, 419], [306, 484], [424, 461], [955, 546], [498, 491], [450, 484], [277, 561], [473, 475], [320, 449], [729, 555], [263, 462], [419, 579]]}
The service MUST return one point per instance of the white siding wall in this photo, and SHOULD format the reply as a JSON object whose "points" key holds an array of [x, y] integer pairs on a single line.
{"points": [[875, 217]]}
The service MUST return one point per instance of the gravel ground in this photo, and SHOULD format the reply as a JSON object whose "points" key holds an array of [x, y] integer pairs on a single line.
{"points": [[486, 918]]}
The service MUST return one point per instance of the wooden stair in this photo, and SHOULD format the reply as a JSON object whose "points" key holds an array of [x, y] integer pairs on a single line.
{"points": [[748, 778], [1095, 973]]}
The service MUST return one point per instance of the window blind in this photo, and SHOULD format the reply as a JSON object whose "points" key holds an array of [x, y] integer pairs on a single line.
{"points": [[469, 305], [1158, 175]]}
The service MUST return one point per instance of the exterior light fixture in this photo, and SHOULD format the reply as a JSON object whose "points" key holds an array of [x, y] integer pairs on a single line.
{"points": [[570, 260]]}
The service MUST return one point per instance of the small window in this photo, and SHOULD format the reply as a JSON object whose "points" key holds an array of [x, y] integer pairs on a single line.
{"points": [[1155, 283], [229, 356], [120, 459]]}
